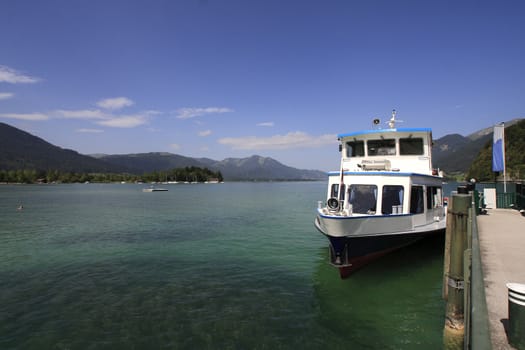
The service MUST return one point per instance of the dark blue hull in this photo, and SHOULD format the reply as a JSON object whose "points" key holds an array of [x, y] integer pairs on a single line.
{"points": [[351, 253]]}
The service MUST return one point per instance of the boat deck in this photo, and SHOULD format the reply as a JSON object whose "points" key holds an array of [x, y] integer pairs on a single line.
{"points": [[502, 244]]}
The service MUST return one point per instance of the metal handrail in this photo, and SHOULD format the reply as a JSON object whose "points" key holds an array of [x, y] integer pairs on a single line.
{"points": [[479, 337]]}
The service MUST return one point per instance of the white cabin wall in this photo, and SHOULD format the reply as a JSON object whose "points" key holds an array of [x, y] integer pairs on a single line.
{"points": [[406, 163]]}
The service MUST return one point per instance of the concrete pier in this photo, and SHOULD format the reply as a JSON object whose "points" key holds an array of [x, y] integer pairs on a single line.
{"points": [[502, 245]]}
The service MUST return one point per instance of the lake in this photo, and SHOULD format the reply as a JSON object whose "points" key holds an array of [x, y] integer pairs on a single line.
{"points": [[202, 266]]}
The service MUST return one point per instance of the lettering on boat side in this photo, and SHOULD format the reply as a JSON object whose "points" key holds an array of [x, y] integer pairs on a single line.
{"points": [[366, 161]]}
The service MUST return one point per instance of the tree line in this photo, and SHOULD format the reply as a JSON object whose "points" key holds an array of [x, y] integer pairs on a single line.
{"points": [[29, 176]]}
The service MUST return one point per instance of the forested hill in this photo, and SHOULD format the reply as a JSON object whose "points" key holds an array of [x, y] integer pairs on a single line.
{"points": [[455, 153], [481, 167], [23, 151]]}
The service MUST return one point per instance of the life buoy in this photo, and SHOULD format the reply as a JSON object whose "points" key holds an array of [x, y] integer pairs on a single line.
{"points": [[333, 204]]}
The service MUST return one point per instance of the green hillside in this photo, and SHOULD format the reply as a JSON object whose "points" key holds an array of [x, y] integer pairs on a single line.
{"points": [[23, 151], [481, 167]]}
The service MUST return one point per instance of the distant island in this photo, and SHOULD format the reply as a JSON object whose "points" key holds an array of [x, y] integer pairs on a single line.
{"points": [[187, 174]]}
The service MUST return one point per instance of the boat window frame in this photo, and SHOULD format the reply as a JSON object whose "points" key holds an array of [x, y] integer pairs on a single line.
{"points": [[355, 148], [381, 147], [359, 206], [334, 191], [407, 146], [387, 208], [434, 197], [417, 199]]}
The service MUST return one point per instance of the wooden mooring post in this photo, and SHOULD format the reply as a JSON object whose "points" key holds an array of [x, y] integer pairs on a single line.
{"points": [[457, 241]]}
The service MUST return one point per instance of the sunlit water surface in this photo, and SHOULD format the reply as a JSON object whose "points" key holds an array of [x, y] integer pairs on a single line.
{"points": [[202, 266]]}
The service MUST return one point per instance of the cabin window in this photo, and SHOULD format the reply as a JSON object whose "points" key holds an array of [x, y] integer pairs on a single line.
{"points": [[433, 197], [386, 147], [438, 198], [363, 198], [416, 200], [335, 191], [355, 149], [392, 202], [411, 146]]}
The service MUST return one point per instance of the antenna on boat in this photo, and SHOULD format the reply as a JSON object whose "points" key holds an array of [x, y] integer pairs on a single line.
{"points": [[392, 122]]}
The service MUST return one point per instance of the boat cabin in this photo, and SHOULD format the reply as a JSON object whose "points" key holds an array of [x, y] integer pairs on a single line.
{"points": [[386, 172], [398, 150]]}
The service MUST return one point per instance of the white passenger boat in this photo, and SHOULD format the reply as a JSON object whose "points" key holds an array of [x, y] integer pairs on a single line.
{"points": [[386, 195]]}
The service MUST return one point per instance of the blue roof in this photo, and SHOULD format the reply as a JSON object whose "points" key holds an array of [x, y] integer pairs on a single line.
{"points": [[382, 131], [379, 173]]}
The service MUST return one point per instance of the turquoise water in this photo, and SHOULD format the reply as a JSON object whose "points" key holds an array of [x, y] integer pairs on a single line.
{"points": [[202, 266]]}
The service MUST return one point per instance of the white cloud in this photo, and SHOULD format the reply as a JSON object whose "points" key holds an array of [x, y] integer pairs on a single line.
{"points": [[94, 131], [83, 114], [106, 118], [130, 121], [10, 75], [25, 116], [186, 113], [152, 112], [205, 133], [295, 139], [266, 124], [6, 95], [98, 116], [175, 146], [115, 103]]}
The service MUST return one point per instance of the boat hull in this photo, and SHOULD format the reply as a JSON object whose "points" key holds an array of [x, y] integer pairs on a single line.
{"points": [[351, 252]]}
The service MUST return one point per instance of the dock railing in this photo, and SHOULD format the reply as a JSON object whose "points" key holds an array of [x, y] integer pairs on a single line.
{"points": [[466, 321], [513, 197], [505, 200], [478, 333]]}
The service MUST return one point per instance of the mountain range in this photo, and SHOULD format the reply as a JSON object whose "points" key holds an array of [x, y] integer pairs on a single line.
{"points": [[452, 153], [21, 150], [232, 169]]}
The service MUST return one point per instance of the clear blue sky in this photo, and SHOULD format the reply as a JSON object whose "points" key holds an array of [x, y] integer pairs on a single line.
{"points": [[233, 78]]}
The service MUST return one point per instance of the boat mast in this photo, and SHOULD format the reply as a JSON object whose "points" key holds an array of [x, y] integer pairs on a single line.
{"points": [[341, 177], [392, 121]]}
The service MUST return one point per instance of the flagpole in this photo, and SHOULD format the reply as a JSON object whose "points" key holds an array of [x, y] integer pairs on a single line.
{"points": [[504, 165], [498, 153]]}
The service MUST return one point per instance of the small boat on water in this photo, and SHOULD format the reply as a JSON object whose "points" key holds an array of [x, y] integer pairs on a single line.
{"points": [[385, 196], [154, 189]]}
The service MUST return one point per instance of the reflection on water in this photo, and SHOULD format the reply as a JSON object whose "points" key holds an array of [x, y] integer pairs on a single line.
{"points": [[394, 302]]}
